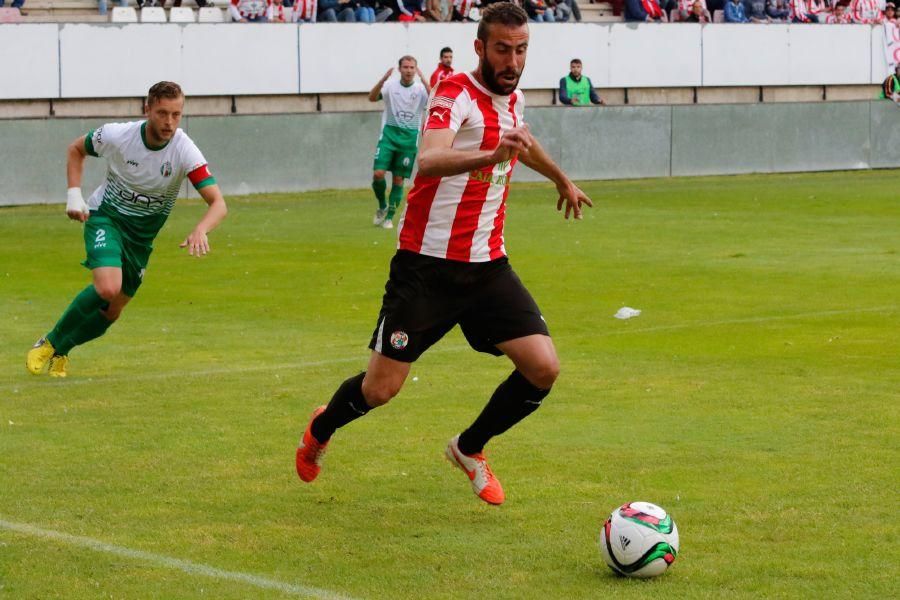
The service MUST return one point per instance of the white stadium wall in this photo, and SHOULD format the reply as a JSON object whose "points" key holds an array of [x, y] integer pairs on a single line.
{"points": [[107, 61]]}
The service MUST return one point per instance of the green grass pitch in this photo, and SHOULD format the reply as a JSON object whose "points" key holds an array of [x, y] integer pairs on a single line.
{"points": [[756, 398]]}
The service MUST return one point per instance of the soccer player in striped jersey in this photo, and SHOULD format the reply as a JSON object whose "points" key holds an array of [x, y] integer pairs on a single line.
{"points": [[146, 164], [451, 266]]}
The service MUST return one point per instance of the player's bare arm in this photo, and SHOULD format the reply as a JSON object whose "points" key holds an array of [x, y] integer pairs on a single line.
{"points": [[424, 80], [570, 195], [76, 207], [197, 242], [437, 157], [376, 91]]}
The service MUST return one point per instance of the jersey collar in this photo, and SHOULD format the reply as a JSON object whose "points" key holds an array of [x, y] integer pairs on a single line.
{"points": [[144, 139]]}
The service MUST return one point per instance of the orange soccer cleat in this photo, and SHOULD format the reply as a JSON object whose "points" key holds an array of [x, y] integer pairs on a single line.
{"points": [[310, 451], [485, 485]]}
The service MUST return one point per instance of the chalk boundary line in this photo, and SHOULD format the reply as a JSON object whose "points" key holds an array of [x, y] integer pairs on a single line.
{"points": [[168, 562]]}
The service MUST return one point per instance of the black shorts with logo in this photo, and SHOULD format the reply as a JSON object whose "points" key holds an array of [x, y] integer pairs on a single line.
{"points": [[426, 296]]}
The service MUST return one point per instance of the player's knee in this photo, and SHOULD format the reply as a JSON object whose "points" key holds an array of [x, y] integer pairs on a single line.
{"points": [[398, 181], [378, 393], [544, 375], [378, 176], [108, 290]]}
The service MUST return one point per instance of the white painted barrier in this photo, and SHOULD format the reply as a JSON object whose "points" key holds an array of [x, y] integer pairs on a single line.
{"points": [[30, 64], [102, 61]]}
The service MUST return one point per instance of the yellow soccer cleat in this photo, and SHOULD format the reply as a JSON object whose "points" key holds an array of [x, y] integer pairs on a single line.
{"points": [[39, 355], [58, 364]]}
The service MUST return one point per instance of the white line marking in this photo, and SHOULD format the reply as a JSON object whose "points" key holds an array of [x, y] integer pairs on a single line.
{"points": [[168, 562]]}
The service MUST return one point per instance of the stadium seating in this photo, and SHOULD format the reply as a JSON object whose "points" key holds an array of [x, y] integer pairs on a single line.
{"points": [[123, 14], [182, 14], [153, 14], [10, 15], [211, 14]]}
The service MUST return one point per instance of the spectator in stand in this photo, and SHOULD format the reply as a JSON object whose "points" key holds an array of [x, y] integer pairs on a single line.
{"points": [[102, 5], [686, 10], [538, 11], [332, 11], [801, 12], [571, 7], [438, 11], [378, 9], [865, 11], [838, 17], [305, 11], [779, 11], [411, 10], [890, 89], [576, 89], [734, 12], [563, 10], [248, 11], [463, 8], [890, 13], [756, 11], [698, 14], [278, 13], [444, 68], [644, 10]]}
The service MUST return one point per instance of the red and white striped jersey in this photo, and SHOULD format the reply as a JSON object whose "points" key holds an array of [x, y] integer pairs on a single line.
{"points": [[460, 217]]}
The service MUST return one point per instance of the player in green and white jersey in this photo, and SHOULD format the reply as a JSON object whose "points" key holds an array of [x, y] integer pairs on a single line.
{"points": [[404, 102], [147, 162]]}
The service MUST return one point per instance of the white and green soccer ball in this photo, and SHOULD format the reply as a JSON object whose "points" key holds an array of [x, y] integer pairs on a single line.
{"points": [[639, 539]]}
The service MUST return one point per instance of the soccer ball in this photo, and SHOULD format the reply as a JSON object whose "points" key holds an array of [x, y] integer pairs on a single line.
{"points": [[639, 539]]}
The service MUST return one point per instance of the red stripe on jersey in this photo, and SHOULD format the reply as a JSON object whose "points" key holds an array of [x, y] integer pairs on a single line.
{"points": [[199, 174], [495, 242], [465, 223], [421, 196]]}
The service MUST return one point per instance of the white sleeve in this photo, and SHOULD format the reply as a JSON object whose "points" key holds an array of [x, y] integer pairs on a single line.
{"points": [[105, 139]]}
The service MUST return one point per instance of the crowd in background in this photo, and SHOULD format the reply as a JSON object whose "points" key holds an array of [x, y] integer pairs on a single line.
{"points": [[377, 11], [762, 11]]}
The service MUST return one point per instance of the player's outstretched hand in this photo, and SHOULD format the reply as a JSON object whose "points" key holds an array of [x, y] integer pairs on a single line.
{"points": [[572, 196], [197, 243], [513, 141], [388, 74]]}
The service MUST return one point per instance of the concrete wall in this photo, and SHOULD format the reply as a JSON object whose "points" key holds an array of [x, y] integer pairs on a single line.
{"points": [[270, 153], [61, 61]]}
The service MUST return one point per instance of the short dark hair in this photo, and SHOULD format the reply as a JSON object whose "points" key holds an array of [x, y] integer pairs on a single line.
{"points": [[501, 13], [445, 50], [164, 89], [406, 57], [575, 61]]}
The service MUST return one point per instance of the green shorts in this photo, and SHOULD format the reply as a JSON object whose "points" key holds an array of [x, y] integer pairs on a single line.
{"points": [[106, 246], [397, 159]]}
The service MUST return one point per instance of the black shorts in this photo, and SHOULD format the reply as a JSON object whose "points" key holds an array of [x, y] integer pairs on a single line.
{"points": [[426, 296]]}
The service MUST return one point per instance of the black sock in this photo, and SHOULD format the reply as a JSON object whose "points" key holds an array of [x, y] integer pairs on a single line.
{"points": [[513, 400], [346, 405]]}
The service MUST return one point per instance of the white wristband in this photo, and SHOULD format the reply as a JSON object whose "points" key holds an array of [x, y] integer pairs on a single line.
{"points": [[74, 201]]}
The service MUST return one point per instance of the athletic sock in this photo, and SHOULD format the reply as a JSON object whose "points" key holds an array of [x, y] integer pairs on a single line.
{"points": [[379, 186], [347, 404], [85, 304], [513, 400], [396, 198], [93, 326]]}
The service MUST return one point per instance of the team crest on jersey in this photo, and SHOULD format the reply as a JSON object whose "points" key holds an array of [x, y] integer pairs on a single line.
{"points": [[399, 340], [166, 169]]}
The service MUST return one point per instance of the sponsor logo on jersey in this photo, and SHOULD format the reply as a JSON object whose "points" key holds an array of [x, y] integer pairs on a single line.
{"points": [[441, 102], [166, 169], [135, 198], [133, 163], [399, 340]]}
